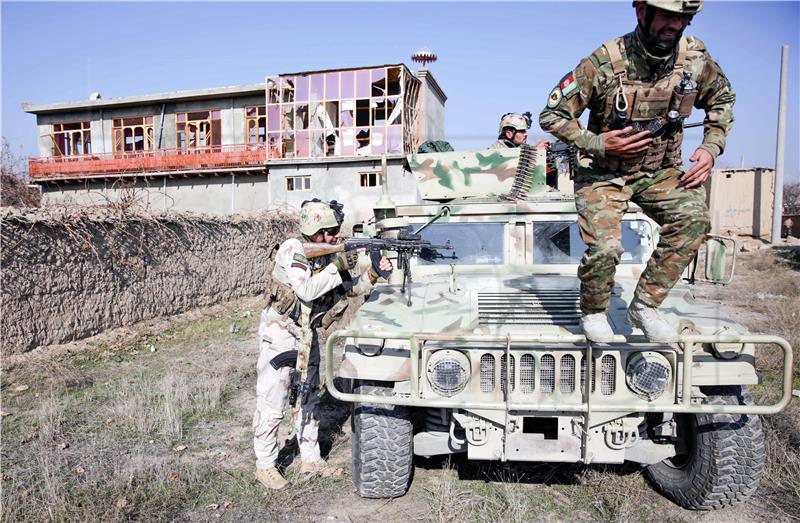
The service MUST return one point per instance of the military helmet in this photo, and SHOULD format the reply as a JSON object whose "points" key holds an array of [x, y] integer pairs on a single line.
{"points": [[316, 215], [687, 7], [515, 121]]}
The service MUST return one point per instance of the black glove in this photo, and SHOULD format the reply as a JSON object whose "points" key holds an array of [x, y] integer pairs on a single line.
{"points": [[344, 261]]}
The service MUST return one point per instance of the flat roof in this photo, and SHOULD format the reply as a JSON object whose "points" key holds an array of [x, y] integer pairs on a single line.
{"points": [[174, 96]]}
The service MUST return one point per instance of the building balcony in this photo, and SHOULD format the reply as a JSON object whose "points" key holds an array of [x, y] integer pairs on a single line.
{"points": [[198, 160]]}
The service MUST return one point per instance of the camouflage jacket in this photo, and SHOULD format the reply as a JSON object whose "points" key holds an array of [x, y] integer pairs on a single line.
{"points": [[593, 84]]}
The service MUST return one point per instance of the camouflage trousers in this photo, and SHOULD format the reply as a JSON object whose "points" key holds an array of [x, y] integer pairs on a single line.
{"points": [[272, 389], [682, 214]]}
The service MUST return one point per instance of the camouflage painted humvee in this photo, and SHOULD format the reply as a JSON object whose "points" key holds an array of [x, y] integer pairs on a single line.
{"points": [[488, 359]]}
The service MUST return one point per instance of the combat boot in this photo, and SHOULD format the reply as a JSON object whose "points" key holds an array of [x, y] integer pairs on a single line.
{"points": [[655, 327], [271, 478], [320, 468], [596, 328]]}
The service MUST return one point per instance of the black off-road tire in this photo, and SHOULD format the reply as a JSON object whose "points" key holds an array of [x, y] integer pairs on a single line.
{"points": [[382, 445], [725, 456]]}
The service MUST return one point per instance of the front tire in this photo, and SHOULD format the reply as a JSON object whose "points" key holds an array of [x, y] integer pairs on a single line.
{"points": [[723, 459], [382, 445]]}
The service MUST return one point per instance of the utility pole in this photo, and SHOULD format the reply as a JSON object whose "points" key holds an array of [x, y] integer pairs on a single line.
{"points": [[777, 206]]}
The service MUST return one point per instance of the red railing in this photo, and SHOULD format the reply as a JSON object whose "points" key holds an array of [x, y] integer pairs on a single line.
{"points": [[201, 158]]}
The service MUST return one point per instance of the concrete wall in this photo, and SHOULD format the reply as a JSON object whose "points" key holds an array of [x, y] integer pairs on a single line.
{"points": [[201, 194], [740, 201], [341, 181], [68, 277], [432, 104]]}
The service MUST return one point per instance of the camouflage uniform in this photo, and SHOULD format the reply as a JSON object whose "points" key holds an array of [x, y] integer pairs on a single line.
{"points": [[502, 144], [279, 333], [605, 184]]}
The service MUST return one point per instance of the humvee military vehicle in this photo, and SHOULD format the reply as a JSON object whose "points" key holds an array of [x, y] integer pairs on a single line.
{"points": [[481, 352]]}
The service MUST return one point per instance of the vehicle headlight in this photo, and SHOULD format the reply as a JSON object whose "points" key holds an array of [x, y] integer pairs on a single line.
{"points": [[448, 372], [648, 374]]}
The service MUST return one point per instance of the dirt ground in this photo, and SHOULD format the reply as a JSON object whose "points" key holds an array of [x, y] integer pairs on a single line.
{"points": [[153, 422]]}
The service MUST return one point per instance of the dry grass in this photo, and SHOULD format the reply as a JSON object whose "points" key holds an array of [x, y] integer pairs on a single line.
{"points": [[773, 283]]}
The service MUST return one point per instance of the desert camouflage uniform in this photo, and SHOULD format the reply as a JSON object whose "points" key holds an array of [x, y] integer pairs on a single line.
{"points": [[605, 184], [502, 144], [279, 333]]}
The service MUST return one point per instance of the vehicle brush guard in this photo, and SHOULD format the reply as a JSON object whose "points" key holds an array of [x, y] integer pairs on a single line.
{"points": [[686, 343]]}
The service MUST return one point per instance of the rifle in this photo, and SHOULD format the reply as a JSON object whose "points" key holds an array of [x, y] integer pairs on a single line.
{"points": [[406, 245]]}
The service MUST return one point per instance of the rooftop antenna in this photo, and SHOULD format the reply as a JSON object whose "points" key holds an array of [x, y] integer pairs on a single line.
{"points": [[424, 56]]}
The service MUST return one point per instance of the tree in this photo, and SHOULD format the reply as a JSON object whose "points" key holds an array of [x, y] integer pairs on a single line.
{"points": [[14, 188], [791, 198]]}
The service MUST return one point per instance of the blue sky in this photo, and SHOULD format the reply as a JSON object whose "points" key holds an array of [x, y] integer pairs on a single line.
{"points": [[493, 58]]}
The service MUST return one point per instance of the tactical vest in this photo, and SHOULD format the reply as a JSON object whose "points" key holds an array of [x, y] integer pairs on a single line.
{"points": [[325, 310], [647, 101]]}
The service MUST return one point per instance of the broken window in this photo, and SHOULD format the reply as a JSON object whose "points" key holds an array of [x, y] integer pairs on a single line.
{"points": [[318, 116], [362, 141], [272, 91], [317, 144], [132, 134], [199, 129], [340, 113], [256, 124], [332, 144], [287, 90], [378, 111], [274, 145], [301, 116], [370, 179], [394, 110], [298, 183], [287, 145], [72, 139], [362, 112], [287, 117], [393, 76], [348, 113], [332, 114], [378, 82]]}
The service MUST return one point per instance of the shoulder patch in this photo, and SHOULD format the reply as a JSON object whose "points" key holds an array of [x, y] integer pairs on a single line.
{"points": [[300, 257], [555, 98], [567, 84]]}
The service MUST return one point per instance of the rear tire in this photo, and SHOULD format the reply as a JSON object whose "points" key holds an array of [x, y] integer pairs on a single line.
{"points": [[382, 445], [723, 459]]}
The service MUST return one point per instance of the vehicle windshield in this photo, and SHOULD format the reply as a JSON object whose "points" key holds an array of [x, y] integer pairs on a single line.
{"points": [[560, 242], [473, 243], [557, 242]]}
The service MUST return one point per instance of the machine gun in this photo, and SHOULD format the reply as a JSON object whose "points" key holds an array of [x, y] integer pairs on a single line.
{"points": [[406, 245]]}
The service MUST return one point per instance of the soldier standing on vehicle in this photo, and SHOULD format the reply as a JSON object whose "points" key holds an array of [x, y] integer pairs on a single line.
{"points": [[514, 131], [299, 282], [639, 89]]}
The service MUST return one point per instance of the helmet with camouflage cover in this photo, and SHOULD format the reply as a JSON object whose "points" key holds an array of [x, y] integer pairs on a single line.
{"points": [[687, 7], [316, 214], [517, 122]]}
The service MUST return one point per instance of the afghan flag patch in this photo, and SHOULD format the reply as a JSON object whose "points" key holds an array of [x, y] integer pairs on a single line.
{"points": [[567, 84]]}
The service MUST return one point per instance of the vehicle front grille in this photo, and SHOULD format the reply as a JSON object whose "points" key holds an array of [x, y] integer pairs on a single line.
{"points": [[555, 372], [535, 307]]}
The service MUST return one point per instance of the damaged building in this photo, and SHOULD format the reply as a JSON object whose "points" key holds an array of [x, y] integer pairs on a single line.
{"points": [[244, 148]]}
